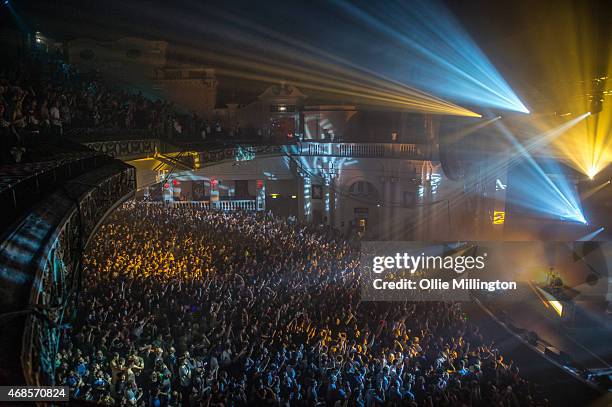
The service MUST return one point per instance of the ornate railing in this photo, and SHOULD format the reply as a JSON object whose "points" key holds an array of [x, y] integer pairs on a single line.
{"points": [[361, 150], [239, 151], [214, 152], [235, 205], [126, 149], [357, 150], [39, 264], [249, 205]]}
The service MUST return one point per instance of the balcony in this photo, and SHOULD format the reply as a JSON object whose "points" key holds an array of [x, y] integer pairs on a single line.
{"points": [[52, 207]]}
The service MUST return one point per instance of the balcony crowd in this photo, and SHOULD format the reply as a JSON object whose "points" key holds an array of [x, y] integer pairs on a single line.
{"points": [[44, 98]]}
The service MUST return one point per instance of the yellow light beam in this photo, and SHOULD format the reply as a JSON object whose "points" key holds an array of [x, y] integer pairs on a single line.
{"points": [[594, 190]]}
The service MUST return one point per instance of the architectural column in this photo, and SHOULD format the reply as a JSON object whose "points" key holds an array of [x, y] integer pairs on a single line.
{"points": [[261, 195], [305, 199], [327, 201]]}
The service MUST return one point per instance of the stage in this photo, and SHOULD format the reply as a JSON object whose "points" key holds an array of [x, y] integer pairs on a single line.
{"points": [[577, 340]]}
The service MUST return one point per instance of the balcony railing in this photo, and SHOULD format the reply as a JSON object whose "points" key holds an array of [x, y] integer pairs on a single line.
{"points": [[361, 150], [21, 185], [126, 149], [248, 205]]}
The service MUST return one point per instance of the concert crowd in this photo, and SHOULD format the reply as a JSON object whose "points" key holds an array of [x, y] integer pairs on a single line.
{"points": [[183, 307]]}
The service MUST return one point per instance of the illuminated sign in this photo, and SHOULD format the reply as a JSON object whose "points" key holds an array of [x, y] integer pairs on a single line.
{"points": [[499, 217]]}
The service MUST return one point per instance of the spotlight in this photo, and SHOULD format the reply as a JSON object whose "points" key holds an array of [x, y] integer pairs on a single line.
{"points": [[591, 236], [591, 173]]}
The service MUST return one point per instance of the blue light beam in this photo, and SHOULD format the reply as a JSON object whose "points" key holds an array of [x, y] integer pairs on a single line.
{"points": [[427, 48], [591, 235], [553, 196]]}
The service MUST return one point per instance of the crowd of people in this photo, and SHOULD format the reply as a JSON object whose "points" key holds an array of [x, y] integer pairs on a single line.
{"points": [[186, 307], [43, 97]]}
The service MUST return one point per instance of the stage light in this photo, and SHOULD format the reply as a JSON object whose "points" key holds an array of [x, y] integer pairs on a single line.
{"points": [[591, 173], [536, 190], [591, 235], [542, 188], [577, 69]]}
